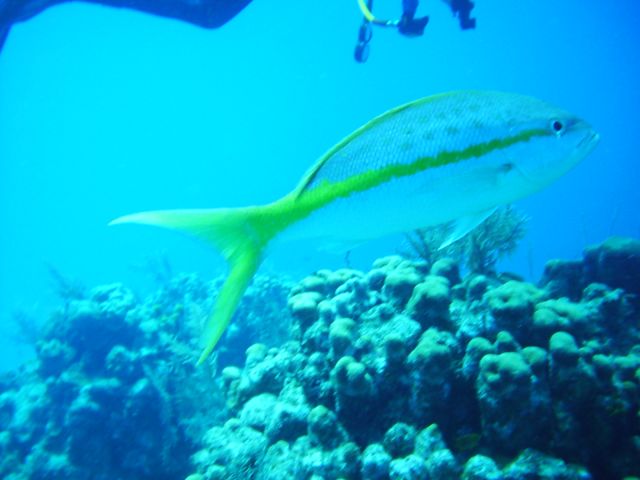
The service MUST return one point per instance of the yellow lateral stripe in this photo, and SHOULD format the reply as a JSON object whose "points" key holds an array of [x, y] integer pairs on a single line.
{"points": [[274, 218], [388, 115]]}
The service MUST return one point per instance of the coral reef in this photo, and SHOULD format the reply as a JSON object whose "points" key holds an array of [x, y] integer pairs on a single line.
{"points": [[407, 371], [480, 249], [411, 372], [114, 392]]}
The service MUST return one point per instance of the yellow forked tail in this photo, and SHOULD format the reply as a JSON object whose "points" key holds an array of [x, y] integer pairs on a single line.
{"points": [[235, 233]]}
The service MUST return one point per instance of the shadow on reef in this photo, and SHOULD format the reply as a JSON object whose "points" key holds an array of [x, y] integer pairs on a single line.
{"points": [[407, 371]]}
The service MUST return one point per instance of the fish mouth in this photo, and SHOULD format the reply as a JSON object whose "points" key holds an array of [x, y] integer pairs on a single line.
{"points": [[589, 142], [584, 147]]}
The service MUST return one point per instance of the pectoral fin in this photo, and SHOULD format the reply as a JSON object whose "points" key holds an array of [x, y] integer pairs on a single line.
{"points": [[464, 225]]}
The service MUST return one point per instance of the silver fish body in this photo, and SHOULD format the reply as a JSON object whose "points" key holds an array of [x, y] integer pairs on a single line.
{"points": [[494, 159]]}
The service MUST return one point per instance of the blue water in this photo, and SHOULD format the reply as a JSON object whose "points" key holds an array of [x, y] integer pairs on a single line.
{"points": [[105, 112]]}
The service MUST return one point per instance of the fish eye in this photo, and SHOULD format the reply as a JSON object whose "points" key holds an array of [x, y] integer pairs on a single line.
{"points": [[557, 126]]}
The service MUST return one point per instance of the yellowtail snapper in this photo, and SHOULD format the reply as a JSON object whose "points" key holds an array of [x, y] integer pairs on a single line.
{"points": [[450, 157]]}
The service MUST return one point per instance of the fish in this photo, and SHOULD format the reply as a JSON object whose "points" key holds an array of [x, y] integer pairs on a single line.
{"points": [[451, 157]]}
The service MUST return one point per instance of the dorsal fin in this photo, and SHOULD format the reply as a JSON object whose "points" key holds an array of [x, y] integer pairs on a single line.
{"points": [[312, 174]]}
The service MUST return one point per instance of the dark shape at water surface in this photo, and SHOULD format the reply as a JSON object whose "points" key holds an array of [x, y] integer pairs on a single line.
{"points": [[4, 33], [203, 13]]}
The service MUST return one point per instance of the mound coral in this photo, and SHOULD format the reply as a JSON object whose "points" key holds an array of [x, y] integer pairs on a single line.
{"points": [[404, 372]]}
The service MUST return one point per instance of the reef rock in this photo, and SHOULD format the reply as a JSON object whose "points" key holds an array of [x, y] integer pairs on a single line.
{"points": [[404, 372]]}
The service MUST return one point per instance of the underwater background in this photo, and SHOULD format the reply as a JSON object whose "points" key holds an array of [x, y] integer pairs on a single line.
{"points": [[106, 111]]}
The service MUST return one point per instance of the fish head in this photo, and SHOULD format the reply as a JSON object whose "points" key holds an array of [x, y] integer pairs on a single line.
{"points": [[564, 140]]}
